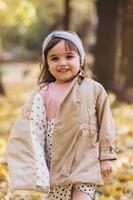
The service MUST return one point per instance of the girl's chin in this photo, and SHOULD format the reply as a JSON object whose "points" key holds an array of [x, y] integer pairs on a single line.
{"points": [[65, 77], [65, 80]]}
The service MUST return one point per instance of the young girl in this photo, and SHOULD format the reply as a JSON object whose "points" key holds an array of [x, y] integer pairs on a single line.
{"points": [[63, 140]]}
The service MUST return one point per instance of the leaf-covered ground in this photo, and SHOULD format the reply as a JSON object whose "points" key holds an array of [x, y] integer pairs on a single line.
{"points": [[19, 79]]}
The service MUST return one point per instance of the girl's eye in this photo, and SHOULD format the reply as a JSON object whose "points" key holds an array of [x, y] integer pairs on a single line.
{"points": [[69, 56], [54, 58]]}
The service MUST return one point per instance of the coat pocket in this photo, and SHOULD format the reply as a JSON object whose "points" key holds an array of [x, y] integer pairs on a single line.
{"points": [[87, 140], [93, 135], [90, 135]]}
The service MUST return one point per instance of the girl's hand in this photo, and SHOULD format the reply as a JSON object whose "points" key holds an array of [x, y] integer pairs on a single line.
{"points": [[106, 168]]}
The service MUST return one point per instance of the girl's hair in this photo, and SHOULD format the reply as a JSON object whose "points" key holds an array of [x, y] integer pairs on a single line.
{"points": [[45, 75]]}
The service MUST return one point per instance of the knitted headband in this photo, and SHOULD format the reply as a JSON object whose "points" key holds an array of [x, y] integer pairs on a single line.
{"points": [[71, 36]]}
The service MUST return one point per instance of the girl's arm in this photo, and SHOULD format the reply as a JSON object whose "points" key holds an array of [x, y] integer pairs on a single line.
{"points": [[106, 127]]}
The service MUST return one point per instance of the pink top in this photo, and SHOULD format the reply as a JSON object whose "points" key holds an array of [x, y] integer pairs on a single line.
{"points": [[52, 97]]}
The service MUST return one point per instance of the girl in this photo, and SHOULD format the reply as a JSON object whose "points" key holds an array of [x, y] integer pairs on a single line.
{"points": [[63, 140]]}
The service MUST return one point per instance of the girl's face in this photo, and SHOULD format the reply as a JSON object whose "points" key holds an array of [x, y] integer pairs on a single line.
{"points": [[64, 64]]}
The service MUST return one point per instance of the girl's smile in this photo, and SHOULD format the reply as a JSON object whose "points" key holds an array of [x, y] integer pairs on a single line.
{"points": [[64, 64]]}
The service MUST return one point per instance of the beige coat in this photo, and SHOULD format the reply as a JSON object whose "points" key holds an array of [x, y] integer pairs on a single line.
{"points": [[84, 134]]}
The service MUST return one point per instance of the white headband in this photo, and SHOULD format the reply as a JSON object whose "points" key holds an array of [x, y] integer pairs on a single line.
{"points": [[71, 36]]}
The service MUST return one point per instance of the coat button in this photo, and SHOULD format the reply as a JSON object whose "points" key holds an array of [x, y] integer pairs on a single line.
{"points": [[78, 102], [81, 126]]}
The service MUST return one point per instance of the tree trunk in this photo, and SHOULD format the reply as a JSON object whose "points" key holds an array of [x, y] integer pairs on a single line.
{"points": [[2, 91], [105, 55], [127, 42], [68, 11], [84, 32], [124, 79]]}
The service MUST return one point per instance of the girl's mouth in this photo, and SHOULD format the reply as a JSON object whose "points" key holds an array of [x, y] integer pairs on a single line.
{"points": [[63, 70]]}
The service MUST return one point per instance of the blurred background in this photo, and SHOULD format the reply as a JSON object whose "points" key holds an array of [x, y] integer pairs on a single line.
{"points": [[106, 29]]}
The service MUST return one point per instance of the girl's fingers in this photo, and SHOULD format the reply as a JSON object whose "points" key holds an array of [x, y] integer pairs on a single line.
{"points": [[109, 170], [106, 172], [106, 168], [103, 172]]}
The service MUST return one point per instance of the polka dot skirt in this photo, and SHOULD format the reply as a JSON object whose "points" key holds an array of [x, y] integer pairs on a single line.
{"points": [[62, 192]]}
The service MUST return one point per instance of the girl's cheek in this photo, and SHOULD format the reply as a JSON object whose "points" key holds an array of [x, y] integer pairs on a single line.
{"points": [[50, 63]]}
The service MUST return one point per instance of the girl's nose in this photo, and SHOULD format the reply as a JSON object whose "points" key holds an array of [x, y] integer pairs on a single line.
{"points": [[62, 61]]}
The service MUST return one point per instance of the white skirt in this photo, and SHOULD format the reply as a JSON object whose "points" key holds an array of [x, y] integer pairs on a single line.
{"points": [[62, 192]]}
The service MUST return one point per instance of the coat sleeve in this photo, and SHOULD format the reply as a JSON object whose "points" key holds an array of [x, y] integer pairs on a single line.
{"points": [[25, 148], [106, 127]]}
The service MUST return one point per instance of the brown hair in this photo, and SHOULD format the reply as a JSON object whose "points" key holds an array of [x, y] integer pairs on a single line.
{"points": [[45, 75]]}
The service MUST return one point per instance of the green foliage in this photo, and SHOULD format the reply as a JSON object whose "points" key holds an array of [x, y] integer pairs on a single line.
{"points": [[14, 13], [26, 23]]}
